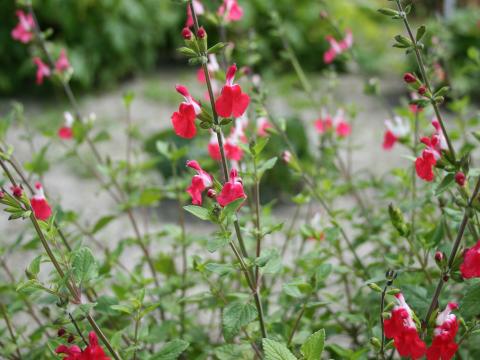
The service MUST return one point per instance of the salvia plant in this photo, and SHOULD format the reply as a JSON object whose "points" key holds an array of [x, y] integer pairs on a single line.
{"points": [[362, 267]]}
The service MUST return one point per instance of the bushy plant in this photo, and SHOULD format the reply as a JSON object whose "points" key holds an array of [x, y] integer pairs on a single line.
{"points": [[363, 265]]}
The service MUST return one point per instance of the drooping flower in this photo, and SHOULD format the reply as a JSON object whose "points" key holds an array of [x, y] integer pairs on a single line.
{"points": [[232, 190], [62, 63], [396, 129], [183, 120], [324, 123], [443, 345], [199, 10], [42, 70], [431, 154], [200, 182], [230, 10], [402, 329], [40, 206], [23, 32], [470, 267], [337, 47], [262, 126], [66, 132], [92, 352], [232, 102]]}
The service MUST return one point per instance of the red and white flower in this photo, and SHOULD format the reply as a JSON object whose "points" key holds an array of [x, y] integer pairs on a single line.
{"points": [[42, 70], [183, 120], [232, 190], [324, 123], [233, 150], [402, 329], [396, 129], [342, 127], [62, 63], [232, 101], [40, 206], [24, 30], [92, 352], [200, 182], [214, 147], [66, 131], [470, 267], [199, 10], [443, 345], [262, 126], [230, 10], [337, 47], [431, 154]]}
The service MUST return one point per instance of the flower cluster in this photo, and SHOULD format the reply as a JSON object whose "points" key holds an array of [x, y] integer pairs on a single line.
{"points": [[337, 124], [431, 154], [92, 352], [443, 345], [337, 47]]}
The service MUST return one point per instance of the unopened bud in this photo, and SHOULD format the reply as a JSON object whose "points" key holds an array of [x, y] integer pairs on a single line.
{"points": [[17, 191], [187, 33], [71, 339], [439, 256], [201, 33], [323, 14], [375, 287], [422, 90], [409, 78], [396, 217], [286, 156], [2, 195], [211, 193], [460, 178], [375, 342], [61, 332]]}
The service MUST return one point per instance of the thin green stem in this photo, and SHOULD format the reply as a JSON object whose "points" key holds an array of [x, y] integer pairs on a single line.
{"points": [[3, 309], [79, 332]]}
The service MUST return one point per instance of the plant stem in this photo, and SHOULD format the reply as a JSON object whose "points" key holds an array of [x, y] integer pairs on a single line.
{"points": [[250, 281], [297, 323], [446, 274], [135, 337], [77, 328], [3, 309], [258, 231], [421, 66]]}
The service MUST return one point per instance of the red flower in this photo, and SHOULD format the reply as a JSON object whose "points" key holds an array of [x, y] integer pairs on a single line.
{"points": [[470, 267], [341, 126], [424, 166], [23, 32], [431, 154], [66, 132], [262, 126], [62, 63], [183, 120], [232, 190], [232, 102], [230, 10], [92, 352], [443, 345], [39, 204], [396, 129], [324, 123], [199, 10], [214, 148], [200, 182], [42, 70], [402, 329], [460, 178], [336, 47], [17, 191]]}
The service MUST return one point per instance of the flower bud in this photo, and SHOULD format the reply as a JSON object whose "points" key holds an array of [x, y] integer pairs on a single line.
{"points": [[61, 332], [187, 33], [286, 156], [409, 78], [460, 178], [71, 339], [211, 193], [422, 90], [201, 33], [375, 287], [323, 14], [17, 191], [2, 195], [439, 256]]}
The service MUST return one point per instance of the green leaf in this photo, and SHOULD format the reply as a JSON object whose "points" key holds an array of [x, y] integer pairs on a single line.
{"points": [[84, 267], [470, 304], [216, 48], [220, 269], [260, 145], [122, 308], [171, 350], [232, 208], [198, 211], [444, 185], [420, 32], [267, 165], [102, 222], [276, 351], [29, 286], [388, 12], [34, 268], [312, 348], [235, 316], [218, 241]]}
